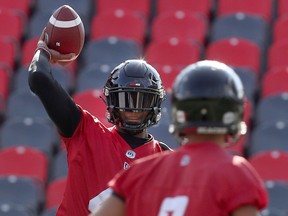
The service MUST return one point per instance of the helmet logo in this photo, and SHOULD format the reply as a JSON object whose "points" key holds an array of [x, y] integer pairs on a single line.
{"points": [[130, 154], [229, 117], [134, 84], [180, 116]]}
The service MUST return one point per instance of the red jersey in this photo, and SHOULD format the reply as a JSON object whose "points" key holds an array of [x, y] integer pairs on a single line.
{"points": [[197, 179], [95, 154]]}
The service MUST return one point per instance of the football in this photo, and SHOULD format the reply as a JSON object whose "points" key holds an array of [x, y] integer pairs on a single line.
{"points": [[64, 31]]}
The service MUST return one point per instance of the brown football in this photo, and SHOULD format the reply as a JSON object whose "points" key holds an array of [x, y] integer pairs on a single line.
{"points": [[64, 31]]}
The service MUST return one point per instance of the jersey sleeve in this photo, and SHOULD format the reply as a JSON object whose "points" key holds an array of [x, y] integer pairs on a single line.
{"points": [[241, 186]]}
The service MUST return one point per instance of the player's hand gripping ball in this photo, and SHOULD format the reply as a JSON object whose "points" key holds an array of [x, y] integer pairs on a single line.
{"points": [[65, 32]]}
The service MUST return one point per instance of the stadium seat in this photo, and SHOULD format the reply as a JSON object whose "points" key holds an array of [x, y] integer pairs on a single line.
{"points": [[248, 116], [268, 137], [277, 54], [280, 28], [236, 52], [23, 6], [274, 82], [161, 132], [141, 7], [282, 8], [277, 193], [64, 76], [271, 109], [166, 108], [21, 192], [5, 82], [168, 74], [93, 76], [16, 25], [49, 212], [250, 81], [24, 162], [271, 165], [3, 105], [55, 192], [263, 8], [9, 210], [241, 25], [186, 26], [123, 24], [59, 166], [24, 104], [90, 100], [28, 50], [10, 57], [204, 6], [173, 52], [37, 22], [110, 51], [84, 8], [30, 133]]}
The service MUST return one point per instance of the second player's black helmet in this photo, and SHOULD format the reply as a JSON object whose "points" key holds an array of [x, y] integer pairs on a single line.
{"points": [[207, 98], [134, 86]]}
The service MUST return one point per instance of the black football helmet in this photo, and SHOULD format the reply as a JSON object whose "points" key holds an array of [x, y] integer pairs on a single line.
{"points": [[207, 98], [134, 86]]}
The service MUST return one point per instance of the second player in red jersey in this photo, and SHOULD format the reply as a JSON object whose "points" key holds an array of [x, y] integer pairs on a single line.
{"points": [[200, 178]]}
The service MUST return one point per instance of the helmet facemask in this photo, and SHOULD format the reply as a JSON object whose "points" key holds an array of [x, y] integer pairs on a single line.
{"points": [[134, 100]]}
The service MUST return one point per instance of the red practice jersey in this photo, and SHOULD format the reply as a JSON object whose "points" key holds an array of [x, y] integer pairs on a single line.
{"points": [[197, 179], [95, 154]]}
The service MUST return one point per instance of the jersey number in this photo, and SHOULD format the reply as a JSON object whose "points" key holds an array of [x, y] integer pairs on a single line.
{"points": [[173, 206]]}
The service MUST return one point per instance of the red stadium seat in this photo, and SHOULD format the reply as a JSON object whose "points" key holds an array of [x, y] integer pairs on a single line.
{"points": [[119, 23], [277, 55], [203, 6], [9, 54], [168, 74], [271, 165], [282, 7], [55, 192], [280, 28], [274, 82], [237, 52], [12, 24], [142, 7], [90, 100], [24, 161], [173, 52], [5, 78], [187, 26], [20, 5], [28, 50], [262, 8]]}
